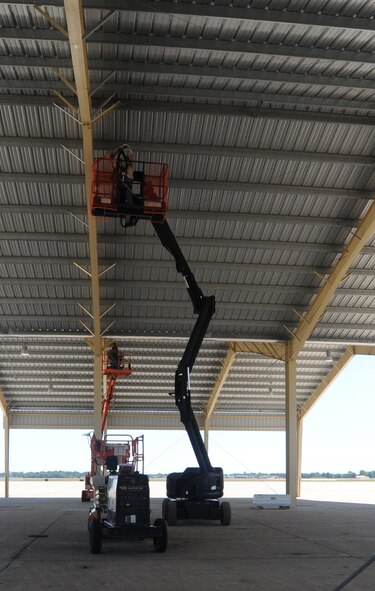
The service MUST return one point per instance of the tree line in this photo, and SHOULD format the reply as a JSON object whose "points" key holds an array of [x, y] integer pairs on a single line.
{"points": [[254, 475], [333, 475], [46, 474]]}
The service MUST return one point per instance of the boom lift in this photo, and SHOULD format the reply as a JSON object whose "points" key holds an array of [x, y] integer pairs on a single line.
{"points": [[121, 507], [139, 190], [102, 449]]}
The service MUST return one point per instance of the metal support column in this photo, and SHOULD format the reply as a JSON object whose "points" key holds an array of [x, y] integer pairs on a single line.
{"points": [[291, 425], [299, 455], [6, 455], [5, 410], [76, 32], [206, 432]]}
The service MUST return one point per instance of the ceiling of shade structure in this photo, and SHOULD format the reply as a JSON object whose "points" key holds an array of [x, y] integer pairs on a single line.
{"points": [[264, 112]]}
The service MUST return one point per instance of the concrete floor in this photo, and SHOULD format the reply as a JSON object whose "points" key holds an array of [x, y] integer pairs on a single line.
{"points": [[315, 547]]}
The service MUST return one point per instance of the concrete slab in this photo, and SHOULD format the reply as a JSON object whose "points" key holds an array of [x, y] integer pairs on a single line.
{"points": [[315, 547]]}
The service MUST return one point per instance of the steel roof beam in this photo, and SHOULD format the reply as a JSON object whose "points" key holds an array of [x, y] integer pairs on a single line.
{"points": [[62, 419], [247, 13], [162, 419], [192, 91], [227, 216], [227, 364], [260, 376], [194, 241], [61, 319], [124, 90], [124, 303], [65, 337], [246, 381], [211, 265], [202, 185], [230, 46], [212, 10], [364, 349], [198, 71], [29, 319], [221, 287], [351, 250], [242, 111], [196, 149], [176, 285]]}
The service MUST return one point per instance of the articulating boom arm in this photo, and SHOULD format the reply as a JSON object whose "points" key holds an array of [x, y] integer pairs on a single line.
{"points": [[205, 308]]}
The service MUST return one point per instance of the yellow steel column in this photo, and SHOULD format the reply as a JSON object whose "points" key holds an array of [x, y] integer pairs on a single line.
{"points": [[5, 409], [206, 431], [299, 455], [291, 424], [6, 455], [76, 31], [94, 269]]}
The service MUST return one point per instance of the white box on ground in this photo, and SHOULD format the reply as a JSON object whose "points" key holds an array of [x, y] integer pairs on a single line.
{"points": [[272, 501]]}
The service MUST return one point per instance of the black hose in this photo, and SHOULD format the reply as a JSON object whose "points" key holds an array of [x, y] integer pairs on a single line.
{"points": [[356, 573]]}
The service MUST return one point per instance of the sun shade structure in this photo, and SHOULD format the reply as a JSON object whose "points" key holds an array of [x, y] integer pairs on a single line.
{"points": [[265, 116]]}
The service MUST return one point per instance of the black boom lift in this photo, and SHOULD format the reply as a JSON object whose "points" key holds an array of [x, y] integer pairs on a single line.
{"points": [[139, 190], [195, 492]]}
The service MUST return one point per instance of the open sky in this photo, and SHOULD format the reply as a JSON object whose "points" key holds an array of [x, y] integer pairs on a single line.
{"points": [[338, 436]]}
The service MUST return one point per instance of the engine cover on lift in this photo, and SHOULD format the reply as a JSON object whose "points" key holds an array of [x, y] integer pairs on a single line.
{"points": [[128, 499], [195, 484]]}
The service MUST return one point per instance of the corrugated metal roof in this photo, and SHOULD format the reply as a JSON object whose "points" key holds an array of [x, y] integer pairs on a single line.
{"points": [[265, 116]]}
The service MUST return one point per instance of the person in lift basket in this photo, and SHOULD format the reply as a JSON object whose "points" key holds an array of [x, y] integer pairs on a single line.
{"points": [[114, 357]]}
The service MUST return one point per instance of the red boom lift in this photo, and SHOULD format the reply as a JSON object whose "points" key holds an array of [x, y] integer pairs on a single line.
{"points": [[104, 448], [117, 484], [131, 191]]}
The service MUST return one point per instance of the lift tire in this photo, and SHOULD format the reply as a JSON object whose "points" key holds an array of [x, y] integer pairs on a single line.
{"points": [[171, 513], [225, 513], [161, 543], [95, 536], [164, 508]]}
